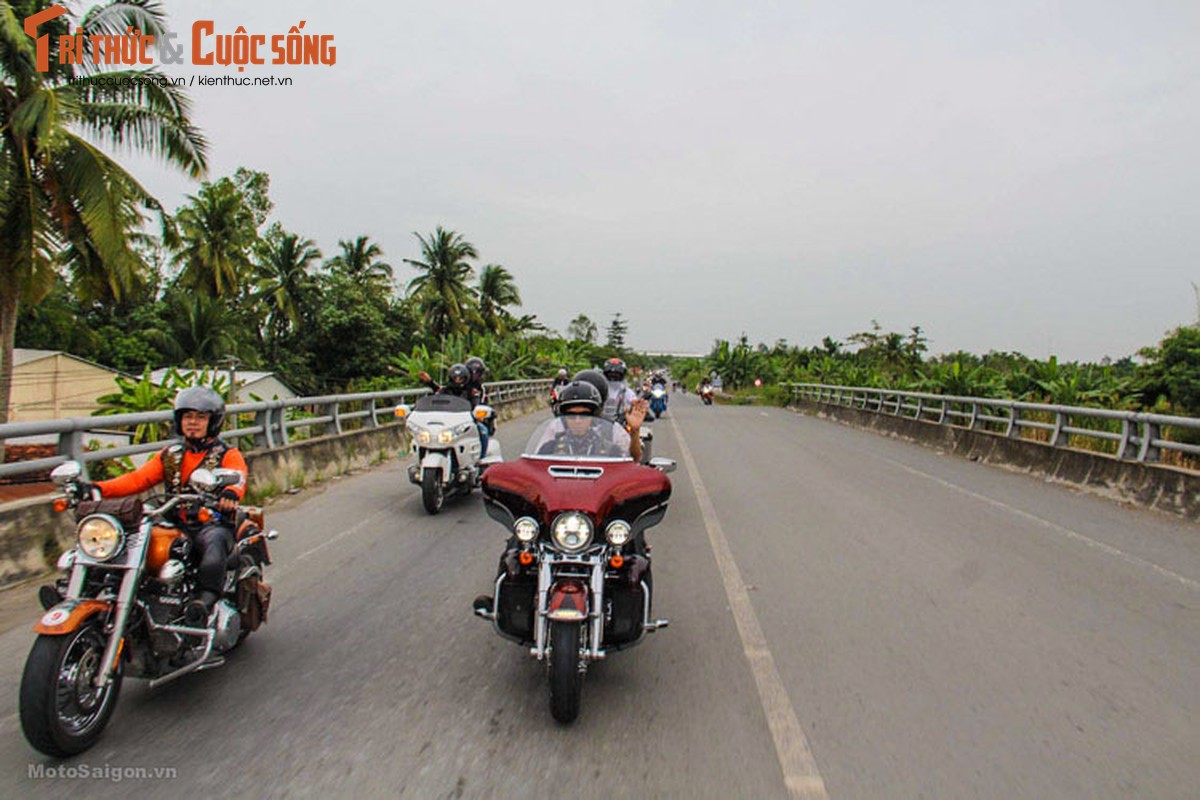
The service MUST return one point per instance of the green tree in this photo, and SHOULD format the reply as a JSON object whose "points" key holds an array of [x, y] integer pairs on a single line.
{"points": [[441, 288], [283, 281], [359, 261], [218, 230], [1173, 370], [497, 290], [614, 336], [58, 189], [582, 329]]}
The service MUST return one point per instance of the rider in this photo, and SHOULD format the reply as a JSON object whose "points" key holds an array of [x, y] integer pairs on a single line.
{"points": [[199, 415], [620, 396], [477, 370], [458, 383], [560, 380], [576, 431]]}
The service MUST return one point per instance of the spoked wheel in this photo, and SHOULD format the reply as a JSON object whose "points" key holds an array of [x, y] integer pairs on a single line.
{"points": [[566, 681], [62, 711], [432, 494]]}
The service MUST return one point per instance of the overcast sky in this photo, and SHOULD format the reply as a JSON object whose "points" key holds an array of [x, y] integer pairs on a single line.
{"points": [[1010, 176]]}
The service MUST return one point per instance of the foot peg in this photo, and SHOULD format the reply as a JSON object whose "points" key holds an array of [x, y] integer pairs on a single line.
{"points": [[657, 625]]}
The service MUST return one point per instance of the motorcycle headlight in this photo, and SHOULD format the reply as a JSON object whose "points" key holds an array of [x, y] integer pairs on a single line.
{"points": [[572, 531], [618, 532], [446, 437], [100, 537], [526, 529], [424, 437]]}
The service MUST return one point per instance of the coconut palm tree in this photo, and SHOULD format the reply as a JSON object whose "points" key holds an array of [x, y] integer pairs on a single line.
{"points": [[284, 282], [441, 289], [359, 262], [497, 290], [58, 188], [218, 231]]}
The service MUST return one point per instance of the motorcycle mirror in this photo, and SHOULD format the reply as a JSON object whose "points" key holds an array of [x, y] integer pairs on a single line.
{"points": [[227, 477], [203, 479], [664, 465], [66, 472], [402, 411]]}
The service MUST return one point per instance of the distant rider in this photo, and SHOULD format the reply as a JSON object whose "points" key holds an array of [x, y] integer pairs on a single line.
{"points": [[458, 383]]}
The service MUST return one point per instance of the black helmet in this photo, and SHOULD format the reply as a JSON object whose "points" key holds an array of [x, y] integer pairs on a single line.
{"points": [[200, 398], [595, 379], [580, 394], [614, 369], [458, 376], [476, 368]]}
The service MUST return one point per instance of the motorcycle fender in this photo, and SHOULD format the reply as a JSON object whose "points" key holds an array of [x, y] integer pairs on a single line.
{"points": [[568, 602], [69, 615], [436, 459]]}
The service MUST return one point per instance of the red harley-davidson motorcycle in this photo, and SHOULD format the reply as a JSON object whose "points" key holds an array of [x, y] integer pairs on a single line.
{"points": [[574, 583]]}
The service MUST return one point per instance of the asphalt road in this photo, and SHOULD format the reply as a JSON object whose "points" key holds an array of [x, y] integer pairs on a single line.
{"points": [[882, 621]]}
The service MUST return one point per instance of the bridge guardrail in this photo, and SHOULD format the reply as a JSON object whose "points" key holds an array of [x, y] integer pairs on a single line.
{"points": [[1139, 438], [272, 426]]}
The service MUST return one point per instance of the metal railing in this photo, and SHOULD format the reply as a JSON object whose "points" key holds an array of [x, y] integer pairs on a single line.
{"points": [[274, 425], [1136, 436]]}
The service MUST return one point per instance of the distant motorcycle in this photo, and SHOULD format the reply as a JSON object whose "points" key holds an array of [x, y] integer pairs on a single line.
{"points": [[446, 443], [658, 400], [576, 584], [127, 583], [706, 394]]}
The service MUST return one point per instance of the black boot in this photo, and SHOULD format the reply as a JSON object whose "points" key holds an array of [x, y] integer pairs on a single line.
{"points": [[196, 612]]}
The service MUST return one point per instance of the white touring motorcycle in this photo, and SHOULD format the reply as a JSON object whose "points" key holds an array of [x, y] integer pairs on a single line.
{"points": [[446, 442]]}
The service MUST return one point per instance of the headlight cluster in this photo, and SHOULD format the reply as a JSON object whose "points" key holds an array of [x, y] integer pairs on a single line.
{"points": [[100, 537], [572, 531], [526, 529], [618, 532]]}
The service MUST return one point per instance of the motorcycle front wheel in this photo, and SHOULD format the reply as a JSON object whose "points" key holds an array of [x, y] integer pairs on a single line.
{"points": [[62, 712], [566, 681], [432, 494]]}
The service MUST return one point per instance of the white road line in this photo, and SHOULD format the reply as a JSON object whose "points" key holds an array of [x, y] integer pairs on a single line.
{"points": [[1054, 526], [800, 773]]}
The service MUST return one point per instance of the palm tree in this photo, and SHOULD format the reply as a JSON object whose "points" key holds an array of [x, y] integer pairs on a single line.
{"points": [[217, 231], [497, 290], [283, 279], [441, 290], [358, 262], [58, 188], [199, 331]]}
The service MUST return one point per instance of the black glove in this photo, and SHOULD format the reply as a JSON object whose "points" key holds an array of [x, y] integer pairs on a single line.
{"points": [[85, 490], [229, 494]]}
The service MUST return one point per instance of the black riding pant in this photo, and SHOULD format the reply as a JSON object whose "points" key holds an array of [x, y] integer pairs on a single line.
{"points": [[213, 544]]}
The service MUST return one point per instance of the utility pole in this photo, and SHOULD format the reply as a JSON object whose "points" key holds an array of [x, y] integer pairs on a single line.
{"points": [[233, 362]]}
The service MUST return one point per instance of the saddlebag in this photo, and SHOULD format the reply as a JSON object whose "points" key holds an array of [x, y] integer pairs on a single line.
{"points": [[125, 510], [253, 601]]}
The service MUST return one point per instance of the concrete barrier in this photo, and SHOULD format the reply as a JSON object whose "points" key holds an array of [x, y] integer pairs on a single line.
{"points": [[1156, 486], [32, 535]]}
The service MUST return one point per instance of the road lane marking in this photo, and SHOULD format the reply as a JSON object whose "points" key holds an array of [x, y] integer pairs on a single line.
{"points": [[800, 773], [353, 529], [1054, 526]]}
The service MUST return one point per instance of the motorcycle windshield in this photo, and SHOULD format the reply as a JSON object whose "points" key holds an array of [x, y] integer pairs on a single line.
{"points": [[576, 437], [442, 402]]}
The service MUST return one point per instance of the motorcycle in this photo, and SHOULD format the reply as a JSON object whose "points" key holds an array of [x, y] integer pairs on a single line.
{"points": [[118, 610], [575, 583], [658, 400], [706, 395], [446, 442]]}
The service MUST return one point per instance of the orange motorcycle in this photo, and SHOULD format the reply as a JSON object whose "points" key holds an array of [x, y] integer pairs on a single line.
{"points": [[118, 609]]}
